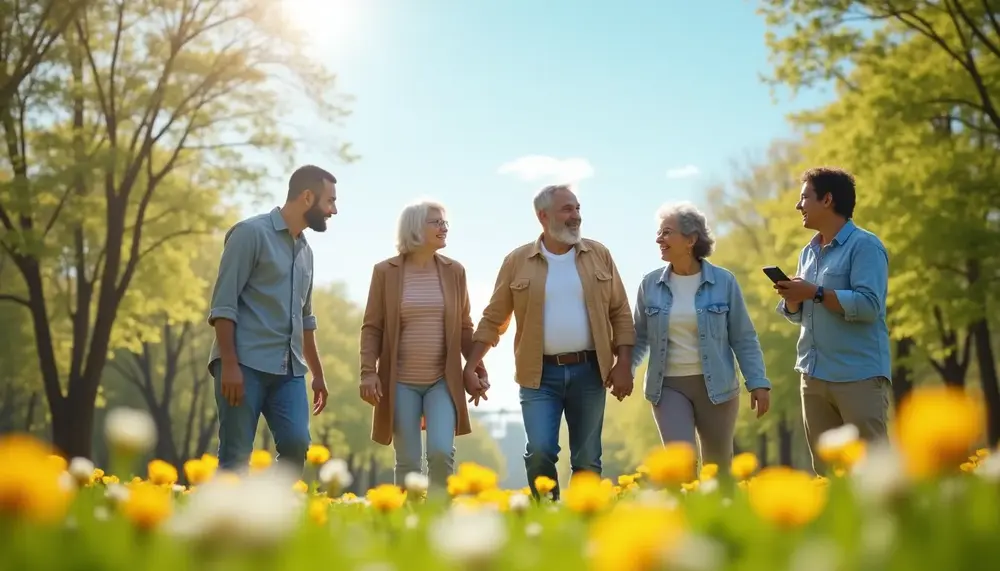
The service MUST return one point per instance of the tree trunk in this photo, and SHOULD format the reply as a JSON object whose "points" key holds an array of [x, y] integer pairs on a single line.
{"points": [[784, 442], [955, 365], [73, 424], [29, 416], [762, 449], [902, 384], [988, 379]]}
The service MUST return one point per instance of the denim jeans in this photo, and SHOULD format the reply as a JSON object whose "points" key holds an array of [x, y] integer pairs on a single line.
{"points": [[283, 401], [578, 392], [434, 403]]}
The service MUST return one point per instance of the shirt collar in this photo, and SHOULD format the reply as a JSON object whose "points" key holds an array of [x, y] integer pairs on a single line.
{"points": [[536, 248], [841, 238]]}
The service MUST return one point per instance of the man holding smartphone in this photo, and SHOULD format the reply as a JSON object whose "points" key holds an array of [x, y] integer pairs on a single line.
{"points": [[838, 299]]}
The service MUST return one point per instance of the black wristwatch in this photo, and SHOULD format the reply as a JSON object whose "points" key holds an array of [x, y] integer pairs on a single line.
{"points": [[818, 298]]}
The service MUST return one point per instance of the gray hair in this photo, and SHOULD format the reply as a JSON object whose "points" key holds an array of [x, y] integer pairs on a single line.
{"points": [[413, 219], [543, 200], [690, 222]]}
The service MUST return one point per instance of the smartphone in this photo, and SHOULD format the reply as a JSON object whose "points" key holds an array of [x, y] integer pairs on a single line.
{"points": [[775, 274]]}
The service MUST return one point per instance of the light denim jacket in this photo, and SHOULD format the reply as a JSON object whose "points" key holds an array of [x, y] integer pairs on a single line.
{"points": [[724, 329]]}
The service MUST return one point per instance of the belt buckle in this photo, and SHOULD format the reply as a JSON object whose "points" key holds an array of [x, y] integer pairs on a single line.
{"points": [[559, 359]]}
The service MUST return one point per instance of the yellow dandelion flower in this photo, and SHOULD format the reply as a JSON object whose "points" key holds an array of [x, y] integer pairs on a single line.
{"points": [[936, 427], [635, 537], [457, 486], [545, 485], [587, 494], [690, 486], [671, 464], [319, 511], [317, 455], [30, 486], [386, 497], [57, 462], [197, 471], [787, 498], [476, 477], [500, 499], [161, 473], [626, 480], [148, 505], [708, 471], [260, 460], [744, 465], [300, 487]]}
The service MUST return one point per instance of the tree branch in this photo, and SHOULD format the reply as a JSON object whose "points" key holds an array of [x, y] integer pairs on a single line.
{"points": [[15, 299]]}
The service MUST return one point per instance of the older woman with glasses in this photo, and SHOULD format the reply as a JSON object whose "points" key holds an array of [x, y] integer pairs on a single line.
{"points": [[691, 320], [417, 329]]}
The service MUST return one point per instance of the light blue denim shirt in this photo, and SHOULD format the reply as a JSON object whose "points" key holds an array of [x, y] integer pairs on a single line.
{"points": [[265, 286], [724, 331], [853, 346]]}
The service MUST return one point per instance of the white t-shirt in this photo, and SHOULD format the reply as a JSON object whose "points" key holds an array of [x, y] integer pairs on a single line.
{"points": [[565, 323], [683, 351]]}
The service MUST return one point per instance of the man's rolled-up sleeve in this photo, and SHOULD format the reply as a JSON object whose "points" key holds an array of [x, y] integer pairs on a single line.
{"points": [[238, 254], [308, 318], [865, 300]]}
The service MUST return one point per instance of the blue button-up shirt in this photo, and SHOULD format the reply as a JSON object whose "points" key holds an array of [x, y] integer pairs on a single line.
{"points": [[265, 287], [854, 346], [724, 331]]}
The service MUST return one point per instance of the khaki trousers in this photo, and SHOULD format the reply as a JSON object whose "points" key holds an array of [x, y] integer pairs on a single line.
{"points": [[827, 405]]}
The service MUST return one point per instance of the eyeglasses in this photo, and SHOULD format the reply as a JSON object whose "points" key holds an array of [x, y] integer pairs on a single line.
{"points": [[439, 223]]}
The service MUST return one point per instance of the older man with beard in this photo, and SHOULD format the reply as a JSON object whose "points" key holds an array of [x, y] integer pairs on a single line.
{"points": [[574, 336], [264, 324]]}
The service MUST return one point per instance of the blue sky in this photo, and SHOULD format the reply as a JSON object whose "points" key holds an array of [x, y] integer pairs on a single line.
{"points": [[478, 104]]}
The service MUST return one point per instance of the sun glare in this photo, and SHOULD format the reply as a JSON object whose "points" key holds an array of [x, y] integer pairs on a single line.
{"points": [[326, 23]]}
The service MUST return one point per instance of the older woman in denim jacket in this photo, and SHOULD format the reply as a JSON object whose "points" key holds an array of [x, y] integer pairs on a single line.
{"points": [[691, 319]]}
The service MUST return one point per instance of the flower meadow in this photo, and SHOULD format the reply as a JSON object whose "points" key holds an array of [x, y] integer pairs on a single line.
{"points": [[928, 499]]}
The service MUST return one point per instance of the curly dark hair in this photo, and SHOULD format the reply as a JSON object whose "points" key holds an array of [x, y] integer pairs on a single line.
{"points": [[834, 181]]}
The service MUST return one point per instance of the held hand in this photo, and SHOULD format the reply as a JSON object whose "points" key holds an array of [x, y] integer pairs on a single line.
{"points": [[371, 389], [475, 385], [232, 384], [795, 290], [320, 394], [760, 400], [621, 381]]}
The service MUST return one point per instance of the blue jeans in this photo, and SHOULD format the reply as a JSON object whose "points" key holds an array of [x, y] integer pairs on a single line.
{"points": [[283, 401], [578, 392], [434, 403]]}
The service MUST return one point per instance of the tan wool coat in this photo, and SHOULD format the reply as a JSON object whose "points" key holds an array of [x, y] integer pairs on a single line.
{"points": [[380, 338]]}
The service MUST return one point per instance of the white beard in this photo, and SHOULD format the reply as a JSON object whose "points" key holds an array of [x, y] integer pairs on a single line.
{"points": [[566, 235]]}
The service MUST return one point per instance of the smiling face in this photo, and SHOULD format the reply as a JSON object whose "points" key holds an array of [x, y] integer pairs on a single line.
{"points": [[322, 205], [562, 219], [815, 211], [674, 246], [435, 230]]}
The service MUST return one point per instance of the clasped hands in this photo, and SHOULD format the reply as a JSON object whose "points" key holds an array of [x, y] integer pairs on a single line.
{"points": [[475, 379], [476, 382], [620, 380]]}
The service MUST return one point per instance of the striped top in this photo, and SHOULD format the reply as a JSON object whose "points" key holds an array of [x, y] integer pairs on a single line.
{"points": [[421, 338]]}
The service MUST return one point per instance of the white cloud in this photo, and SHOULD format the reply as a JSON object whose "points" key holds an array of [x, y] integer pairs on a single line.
{"points": [[685, 171], [535, 168]]}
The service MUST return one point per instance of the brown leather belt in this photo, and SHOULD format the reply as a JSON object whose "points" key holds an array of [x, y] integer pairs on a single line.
{"points": [[570, 358]]}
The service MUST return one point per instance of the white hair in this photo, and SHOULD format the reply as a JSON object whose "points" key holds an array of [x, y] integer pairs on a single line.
{"points": [[543, 200], [690, 222], [412, 220]]}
